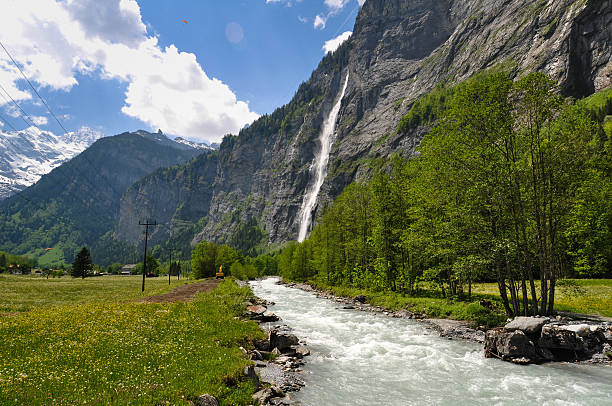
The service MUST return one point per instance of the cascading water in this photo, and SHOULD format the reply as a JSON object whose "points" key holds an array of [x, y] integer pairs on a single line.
{"points": [[360, 358], [319, 165]]}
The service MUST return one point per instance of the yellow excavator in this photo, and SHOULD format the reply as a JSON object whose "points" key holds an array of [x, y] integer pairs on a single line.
{"points": [[220, 274]]}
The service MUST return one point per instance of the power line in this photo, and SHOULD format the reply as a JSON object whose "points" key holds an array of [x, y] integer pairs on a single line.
{"points": [[32, 86], [31, 123], [8, 123]]}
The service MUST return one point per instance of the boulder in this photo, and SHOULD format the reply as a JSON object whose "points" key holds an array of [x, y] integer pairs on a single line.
{"points": [[268, 318], [558, 338], [207, 400], [581, 330], [262, 345], [257, 309], [281, 340], [360, 299], [510, 345], [262, 397], [529, 325], [302, 351]]}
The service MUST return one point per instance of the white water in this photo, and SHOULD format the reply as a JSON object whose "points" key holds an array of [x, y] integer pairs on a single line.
{"points": [[319, 165], [368, 359]]}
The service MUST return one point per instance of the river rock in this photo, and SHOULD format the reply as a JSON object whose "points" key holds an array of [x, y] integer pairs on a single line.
{"points": [[559, 338], [510, 345], [302, 351], [262, 345], [207, 400], [529, 325], [257, 309], [281, 340]]}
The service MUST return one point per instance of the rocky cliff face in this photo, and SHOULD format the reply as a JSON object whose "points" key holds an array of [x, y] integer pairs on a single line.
{"points": [[400, 50]]}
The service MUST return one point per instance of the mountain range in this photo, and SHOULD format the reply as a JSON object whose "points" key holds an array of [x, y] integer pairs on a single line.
{"points": [[78, 202], [28, 154], [400, 52]]}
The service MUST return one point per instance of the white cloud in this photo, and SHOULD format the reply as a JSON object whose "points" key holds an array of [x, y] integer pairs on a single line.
{"points": [[320, 21], [39, 120], [334, 43], [333, 7], [303, 20], [168, 89]]}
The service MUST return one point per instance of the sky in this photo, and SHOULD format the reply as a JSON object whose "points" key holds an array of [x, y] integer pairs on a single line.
{"points": [[198, 69]]}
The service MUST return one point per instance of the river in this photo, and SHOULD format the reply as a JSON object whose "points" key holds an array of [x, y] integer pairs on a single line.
{"points": [[360, 358]]}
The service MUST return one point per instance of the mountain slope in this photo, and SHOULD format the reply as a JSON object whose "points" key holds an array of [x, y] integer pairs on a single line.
{"points": [[27, 155], [78, 202], [399, 51]]}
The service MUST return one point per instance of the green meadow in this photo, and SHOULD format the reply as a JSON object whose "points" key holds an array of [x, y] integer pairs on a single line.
{"points": [[70, 341]]}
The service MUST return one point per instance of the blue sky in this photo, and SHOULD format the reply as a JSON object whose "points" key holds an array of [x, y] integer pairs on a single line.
{"points": [[118, 65]]}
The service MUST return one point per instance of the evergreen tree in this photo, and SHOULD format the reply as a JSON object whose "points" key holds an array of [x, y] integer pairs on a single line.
{"points": [[82, 265]]}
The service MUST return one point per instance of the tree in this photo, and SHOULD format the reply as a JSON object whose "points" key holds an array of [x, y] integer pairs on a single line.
{"points": [[152, 266], [2, 262], [174, 268], [82, 265], [204, 259]]}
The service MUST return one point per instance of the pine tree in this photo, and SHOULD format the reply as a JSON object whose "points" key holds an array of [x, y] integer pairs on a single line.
{"points": [[82, 265]]}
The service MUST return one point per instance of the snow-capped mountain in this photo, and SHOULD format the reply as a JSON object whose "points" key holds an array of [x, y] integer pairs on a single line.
{"points": [[195, 145], [28, 154]]}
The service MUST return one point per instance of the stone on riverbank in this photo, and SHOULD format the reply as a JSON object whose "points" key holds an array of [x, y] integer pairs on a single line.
{"points": [[207, 400], [529, 325], [534, 340]]}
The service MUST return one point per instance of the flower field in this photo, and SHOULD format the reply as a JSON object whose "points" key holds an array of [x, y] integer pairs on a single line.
{"points": [[112, 352]]}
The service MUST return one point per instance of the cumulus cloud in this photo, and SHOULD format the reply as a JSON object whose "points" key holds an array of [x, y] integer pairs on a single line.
{"points": [[166, 88], [334, 43]]}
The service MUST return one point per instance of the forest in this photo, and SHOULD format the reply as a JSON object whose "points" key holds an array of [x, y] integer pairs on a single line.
{"points": [[512, 184]]}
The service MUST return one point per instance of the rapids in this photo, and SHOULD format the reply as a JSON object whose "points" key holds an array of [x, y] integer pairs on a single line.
{"points": [[361, 358]]}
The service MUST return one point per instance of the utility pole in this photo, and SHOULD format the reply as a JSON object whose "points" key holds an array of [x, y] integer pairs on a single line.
{"points": [[170, 267], [144, 261]]}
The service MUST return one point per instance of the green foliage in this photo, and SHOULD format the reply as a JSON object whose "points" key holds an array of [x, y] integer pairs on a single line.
{"points": [[153, 266], [208, 257], [248, 237], [426, 109], [204, 259], [9, 262], [82, 265], [512, 184]]}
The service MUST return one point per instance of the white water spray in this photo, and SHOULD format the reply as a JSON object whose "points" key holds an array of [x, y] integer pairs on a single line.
{"points": [[319, 165]]}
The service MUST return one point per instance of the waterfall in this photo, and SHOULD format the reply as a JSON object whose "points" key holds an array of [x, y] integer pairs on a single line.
{"points": [[319, 165]]}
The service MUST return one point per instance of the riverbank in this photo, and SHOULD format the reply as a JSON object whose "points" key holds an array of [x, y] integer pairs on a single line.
{"points": [[598, 352], [360, 358]]}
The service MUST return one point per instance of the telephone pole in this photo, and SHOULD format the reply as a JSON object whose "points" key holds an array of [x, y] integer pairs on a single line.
{"points": [[170, 267], [144, 261]]}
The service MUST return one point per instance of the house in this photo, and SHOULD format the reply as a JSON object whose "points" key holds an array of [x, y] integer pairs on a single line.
{"points": [[128, 269]]}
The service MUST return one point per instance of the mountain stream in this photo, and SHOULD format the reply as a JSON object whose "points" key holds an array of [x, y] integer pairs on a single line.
{"points": [[360, 358]]}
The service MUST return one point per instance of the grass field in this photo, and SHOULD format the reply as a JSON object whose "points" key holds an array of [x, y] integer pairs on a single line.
{"points": [[20, 293], [79, 342], [588, 296]]}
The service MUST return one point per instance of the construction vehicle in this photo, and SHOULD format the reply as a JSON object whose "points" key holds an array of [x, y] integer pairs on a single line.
{"points": [[220, 274]]}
